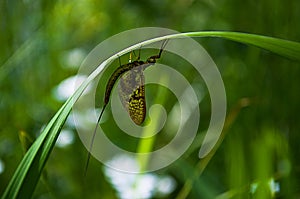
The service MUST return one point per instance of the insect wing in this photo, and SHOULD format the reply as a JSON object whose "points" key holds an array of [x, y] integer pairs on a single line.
{"points": [[131, 91]]}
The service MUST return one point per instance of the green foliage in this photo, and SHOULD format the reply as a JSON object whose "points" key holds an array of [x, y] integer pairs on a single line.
{"points": [[26, 176], [259, 145]]}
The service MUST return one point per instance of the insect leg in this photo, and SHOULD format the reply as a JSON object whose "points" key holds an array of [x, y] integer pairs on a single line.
{"points": [[164, 44], [152, 59], [119, 60]]}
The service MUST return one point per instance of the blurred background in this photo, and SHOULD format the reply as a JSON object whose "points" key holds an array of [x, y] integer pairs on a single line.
{"points": [[42, 44]]}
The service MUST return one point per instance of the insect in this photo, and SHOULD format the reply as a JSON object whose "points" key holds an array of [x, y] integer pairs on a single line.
{"points": [[131, 90]]}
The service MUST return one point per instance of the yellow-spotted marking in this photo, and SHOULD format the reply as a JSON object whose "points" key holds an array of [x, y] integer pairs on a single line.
{"points": [[132, 94]]}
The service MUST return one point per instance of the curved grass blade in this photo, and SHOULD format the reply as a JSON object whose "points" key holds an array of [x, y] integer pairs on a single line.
{"points": [[25, 178], [282, 47]]}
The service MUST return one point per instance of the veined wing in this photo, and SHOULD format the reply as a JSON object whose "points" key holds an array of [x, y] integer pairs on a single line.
{"points": [[131, 91]]}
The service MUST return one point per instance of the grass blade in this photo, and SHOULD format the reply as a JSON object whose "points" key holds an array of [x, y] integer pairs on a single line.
{"points": [[26, 176], [285, 48]]}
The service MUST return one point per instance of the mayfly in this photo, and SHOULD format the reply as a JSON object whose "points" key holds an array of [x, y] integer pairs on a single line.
{"points": [[132, 90]]}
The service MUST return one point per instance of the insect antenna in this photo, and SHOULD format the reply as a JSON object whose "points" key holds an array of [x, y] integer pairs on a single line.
{"points": [[92, 141]]}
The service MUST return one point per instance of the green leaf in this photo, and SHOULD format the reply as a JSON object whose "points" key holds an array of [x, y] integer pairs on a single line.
{"points": [[285, 48], [25, 178]]}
